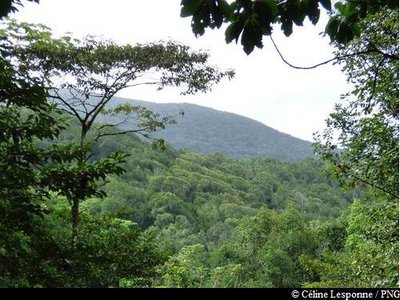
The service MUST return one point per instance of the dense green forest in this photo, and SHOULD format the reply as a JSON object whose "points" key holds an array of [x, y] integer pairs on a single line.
{"points": [[224, 222], [86, 203], [182, 219]]}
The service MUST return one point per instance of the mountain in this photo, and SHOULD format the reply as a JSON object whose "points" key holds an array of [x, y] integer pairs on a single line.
{"points": [[206, 130]]}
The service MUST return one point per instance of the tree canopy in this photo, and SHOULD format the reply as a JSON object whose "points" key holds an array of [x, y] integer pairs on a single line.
{"points": [[82, 77], [365, 124]]}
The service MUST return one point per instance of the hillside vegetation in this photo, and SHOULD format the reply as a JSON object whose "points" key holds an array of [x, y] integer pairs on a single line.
{"points": [[217, 218], [88, 203], [183, 219], [205, 130], [222, 222]]}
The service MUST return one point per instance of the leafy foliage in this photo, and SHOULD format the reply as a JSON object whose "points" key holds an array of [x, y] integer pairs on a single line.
{"points": [[369, 257], [109, 251], [366, 125], [345, 24], [83, 76], [367, 129], [112, 251], [11, 6], [250, 20], [25, 118]]}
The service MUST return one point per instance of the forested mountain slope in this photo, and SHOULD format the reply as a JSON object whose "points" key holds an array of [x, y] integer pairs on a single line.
{"points": [[177, 218], [222, 220], [252, 183], [206, 130]]}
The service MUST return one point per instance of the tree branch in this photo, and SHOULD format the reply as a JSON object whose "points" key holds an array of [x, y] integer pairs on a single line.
{"points": [[140, 131], [384, 54], [383, 189], [337, 58], [72, 110], [374, 83]]}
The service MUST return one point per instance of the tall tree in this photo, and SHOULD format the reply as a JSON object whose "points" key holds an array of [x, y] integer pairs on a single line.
{"points": [[82, 77], [26, 118], [361, 145], [365, 126], [369, 257]]}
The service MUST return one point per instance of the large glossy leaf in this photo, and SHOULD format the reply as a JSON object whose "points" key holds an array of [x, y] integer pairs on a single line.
{"points": [[332, 27], [312, 10], [287, 27], [251, 37], [233, 30], [344, 33], [189, 7], [226, 9], [265, 13], [217, 17]]}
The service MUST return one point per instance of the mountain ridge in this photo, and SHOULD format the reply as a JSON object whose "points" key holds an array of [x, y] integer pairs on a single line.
{"points": [[207, 130]]}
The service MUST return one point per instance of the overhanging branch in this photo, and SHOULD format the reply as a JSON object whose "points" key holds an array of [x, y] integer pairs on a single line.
{"points": [[337, 58]]}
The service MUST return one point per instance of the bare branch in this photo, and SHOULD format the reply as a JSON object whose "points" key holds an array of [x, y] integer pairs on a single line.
{"points": [[125, 120], [337, 58], [72, 110], [139, 131]]}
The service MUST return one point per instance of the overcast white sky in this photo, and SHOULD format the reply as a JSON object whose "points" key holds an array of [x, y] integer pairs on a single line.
{"points": [[264, 88]]}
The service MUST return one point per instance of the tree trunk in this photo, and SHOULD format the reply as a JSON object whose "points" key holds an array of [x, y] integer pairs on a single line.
{"points": [[79, 196], [75, 222]]}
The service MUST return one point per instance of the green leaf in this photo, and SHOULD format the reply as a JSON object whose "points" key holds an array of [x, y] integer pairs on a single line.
{"points": [[225, 9], [326, 4], [189, 7], [6, 7], [217, 17], [197, 28], [271, 4], [287, 28], [265, 12], [233, 6], [346, 10], [233, 30], [251, 37], [356, 29], [344, 33], [312, 10], [332, 27]]}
